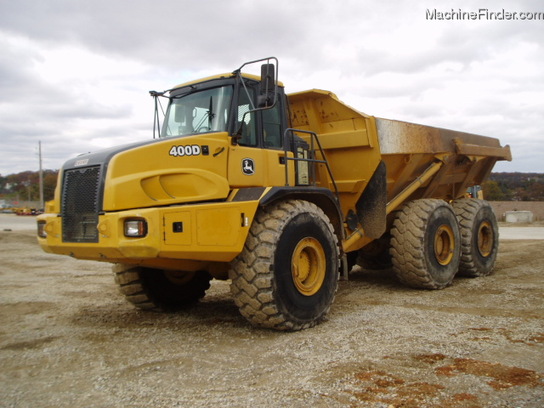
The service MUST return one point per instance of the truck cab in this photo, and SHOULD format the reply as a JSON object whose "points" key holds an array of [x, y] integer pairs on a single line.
{"points": [[251, 110]]}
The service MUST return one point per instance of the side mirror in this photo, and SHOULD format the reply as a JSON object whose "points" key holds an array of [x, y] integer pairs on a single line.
{"points": [[268, 79], [267, 89]]}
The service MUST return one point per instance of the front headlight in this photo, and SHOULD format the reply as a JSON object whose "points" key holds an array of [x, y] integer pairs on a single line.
{"points": [[135, 228], [41, 229]]}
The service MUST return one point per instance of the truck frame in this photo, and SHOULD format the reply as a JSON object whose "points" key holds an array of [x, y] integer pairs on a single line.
{"points": [[281, 194]]}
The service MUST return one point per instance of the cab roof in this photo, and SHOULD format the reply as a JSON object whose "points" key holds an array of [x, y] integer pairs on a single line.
{"points": [[220, 76]]}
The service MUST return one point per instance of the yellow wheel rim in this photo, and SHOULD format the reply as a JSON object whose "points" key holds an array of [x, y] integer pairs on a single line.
{"points": [[308, 266], [444, 244], [485, 239]]}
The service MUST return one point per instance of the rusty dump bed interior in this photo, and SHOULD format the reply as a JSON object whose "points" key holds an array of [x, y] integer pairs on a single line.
{"points": [[408, 149]]}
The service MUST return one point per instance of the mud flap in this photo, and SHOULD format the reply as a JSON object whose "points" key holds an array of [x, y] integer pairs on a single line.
{"points": [[372, 204]]}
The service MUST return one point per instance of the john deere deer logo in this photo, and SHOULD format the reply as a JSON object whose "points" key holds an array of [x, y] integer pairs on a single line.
{"points": [[248, 166]]}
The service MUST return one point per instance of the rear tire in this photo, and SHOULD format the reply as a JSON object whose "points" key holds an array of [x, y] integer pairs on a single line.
{"points": [[425, 247], [479, 236], [160, 290], [287, 274]]}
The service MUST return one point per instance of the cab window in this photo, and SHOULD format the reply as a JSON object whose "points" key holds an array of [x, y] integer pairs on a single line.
{"points": [[246, 120], [272, 132], [258, 128]]}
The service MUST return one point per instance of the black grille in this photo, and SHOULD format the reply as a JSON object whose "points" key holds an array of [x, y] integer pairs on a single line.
{"points": [[80, 205]]}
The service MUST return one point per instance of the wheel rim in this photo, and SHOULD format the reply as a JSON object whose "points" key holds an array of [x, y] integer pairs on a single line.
{"points": [[308, 266], [485, 239], [444, 244]]}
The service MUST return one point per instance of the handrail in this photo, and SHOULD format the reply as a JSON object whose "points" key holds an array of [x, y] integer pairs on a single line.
{"points": [[313, 136]]}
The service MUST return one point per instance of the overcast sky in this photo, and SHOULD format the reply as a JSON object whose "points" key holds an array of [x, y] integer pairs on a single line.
{"points": [[75, 75]]}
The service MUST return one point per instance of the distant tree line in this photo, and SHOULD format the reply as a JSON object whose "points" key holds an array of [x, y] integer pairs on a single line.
{"points": [[499, 187], [25, 186], [514, 187]]}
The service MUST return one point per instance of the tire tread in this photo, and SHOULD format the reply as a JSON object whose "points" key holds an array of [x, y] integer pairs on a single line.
{"points": [[407, 244], [466, 211]]}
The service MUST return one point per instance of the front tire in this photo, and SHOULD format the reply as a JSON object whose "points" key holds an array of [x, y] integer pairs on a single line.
{"points": [[160, 290], [479, 236], [425, 247], [287, 275]]}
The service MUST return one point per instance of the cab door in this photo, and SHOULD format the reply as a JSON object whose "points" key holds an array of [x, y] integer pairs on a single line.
{"points": [[257, 158]]}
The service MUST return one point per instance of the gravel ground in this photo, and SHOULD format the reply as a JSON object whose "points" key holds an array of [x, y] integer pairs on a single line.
{"points": [[68, 339]]}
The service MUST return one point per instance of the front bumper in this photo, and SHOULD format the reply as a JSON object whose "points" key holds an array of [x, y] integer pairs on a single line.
{"points": [[213, 232]]}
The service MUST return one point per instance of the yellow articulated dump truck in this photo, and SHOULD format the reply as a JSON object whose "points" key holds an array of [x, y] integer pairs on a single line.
{"points": [[281, 194]]}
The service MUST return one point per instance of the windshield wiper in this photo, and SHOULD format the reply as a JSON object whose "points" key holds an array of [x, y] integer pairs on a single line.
{"points": [[208, 115]]}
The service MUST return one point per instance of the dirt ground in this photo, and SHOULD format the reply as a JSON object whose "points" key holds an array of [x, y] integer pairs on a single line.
{"points": [[69, 339]]}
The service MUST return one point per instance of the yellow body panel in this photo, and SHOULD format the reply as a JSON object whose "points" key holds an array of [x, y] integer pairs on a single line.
{"points": [[268, 171], [157, 174], [348, 137]]}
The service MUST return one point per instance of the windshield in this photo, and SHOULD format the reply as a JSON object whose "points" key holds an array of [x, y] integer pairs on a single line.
{"points": [[198, 112]]}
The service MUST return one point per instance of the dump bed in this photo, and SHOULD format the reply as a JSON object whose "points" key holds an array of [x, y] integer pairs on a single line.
{"points": [[433, 162], [408, 149]]}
